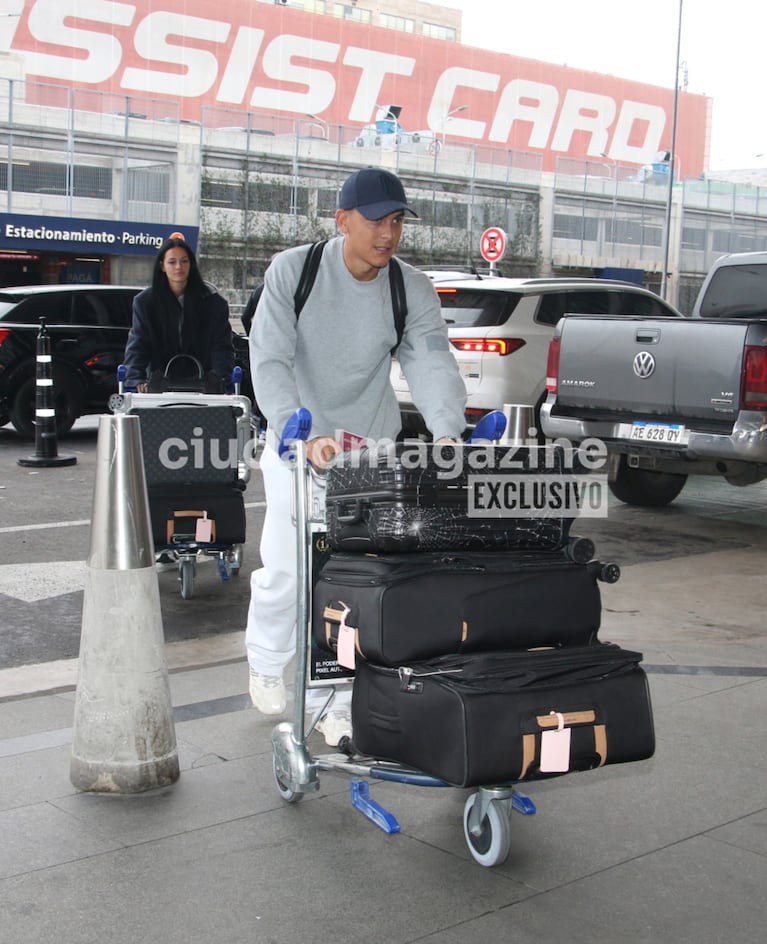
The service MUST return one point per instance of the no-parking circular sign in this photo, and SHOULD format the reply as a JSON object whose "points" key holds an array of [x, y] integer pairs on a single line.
{"points": [[492, 244]]}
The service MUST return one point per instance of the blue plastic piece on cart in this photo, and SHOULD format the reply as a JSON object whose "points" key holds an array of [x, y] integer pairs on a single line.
{"points": [[492, 426], [297, 427], [122, 373], [370, 808], [522, 804], [237, 375]]}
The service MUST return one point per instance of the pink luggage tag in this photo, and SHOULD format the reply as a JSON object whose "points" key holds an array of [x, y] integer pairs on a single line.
{"points": [[204, 529], [346, 654], [555, 748]]}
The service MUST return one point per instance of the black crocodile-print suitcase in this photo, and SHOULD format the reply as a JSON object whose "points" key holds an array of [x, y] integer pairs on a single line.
{"points": [[414, 497]]}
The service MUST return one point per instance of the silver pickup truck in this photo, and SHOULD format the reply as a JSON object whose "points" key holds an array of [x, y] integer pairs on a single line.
{"points": [[670, 397]]}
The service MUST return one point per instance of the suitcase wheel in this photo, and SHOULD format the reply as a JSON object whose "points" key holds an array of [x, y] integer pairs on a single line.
{"points": [[187, 566], [580, 550], [610, 573], [488, 834]]}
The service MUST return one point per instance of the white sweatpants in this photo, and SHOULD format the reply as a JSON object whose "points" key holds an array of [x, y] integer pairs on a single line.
{"points": [[270, 635]]}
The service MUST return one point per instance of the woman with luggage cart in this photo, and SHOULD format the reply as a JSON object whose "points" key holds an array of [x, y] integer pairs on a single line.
{"points": [[335, 360], [178, 314]]}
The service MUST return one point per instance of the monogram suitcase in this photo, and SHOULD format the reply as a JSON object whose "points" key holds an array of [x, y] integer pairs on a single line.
{"points": [[403, 607], [491, 718], [417, 497], [190, 444]]}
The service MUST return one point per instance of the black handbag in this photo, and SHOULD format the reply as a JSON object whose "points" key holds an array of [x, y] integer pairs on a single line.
{"points": [[184, 374]]}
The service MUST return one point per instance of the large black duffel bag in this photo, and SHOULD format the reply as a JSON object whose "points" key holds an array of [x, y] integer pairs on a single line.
{"points": [[416, 606], [491, 718]]}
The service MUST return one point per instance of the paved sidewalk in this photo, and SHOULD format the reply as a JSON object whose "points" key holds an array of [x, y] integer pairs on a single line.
{"points": [[669, 850]]}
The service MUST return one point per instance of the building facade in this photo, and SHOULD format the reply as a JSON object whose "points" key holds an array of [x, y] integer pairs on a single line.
{"points": [[92, 176]]}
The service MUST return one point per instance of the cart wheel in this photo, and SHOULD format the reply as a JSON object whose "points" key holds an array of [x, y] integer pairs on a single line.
{"points": [[186, 576], [288, 795], [491, 846], [235, 559]]}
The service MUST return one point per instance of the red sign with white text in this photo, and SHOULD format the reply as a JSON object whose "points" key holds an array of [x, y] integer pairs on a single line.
{"points": [[270, 58]]}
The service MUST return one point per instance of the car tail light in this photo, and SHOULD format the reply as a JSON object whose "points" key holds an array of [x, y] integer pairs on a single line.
{"points": [[4, 332], [552, 365], [502, 346], [754, 388]]}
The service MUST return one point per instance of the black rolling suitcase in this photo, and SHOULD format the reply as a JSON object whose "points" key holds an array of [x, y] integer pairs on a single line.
{"points": [[491, 718], [418, 497], [178, 511], [405, 607]]}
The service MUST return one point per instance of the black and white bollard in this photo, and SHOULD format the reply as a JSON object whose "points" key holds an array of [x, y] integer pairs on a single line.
{"points": [[46, 446]]}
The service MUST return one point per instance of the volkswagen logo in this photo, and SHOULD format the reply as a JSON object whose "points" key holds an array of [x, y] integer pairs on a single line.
{"points": [[644, 364]]}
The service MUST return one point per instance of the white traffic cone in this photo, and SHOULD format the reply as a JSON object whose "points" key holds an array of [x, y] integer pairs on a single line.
{"points": [[124, 740]]}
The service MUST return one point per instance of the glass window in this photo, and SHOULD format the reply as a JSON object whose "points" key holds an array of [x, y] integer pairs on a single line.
{"points": [[567, 226], [437, 31], [403, 23], [737, 291], [113, 309], [554, 305], [55, 307], [466, 308]]}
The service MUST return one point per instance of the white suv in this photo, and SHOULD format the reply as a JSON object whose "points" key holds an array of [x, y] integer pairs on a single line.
{"points": [[500, 330]]}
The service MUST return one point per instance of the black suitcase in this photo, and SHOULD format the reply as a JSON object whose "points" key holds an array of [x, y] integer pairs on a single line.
{"points": [[418, 497], [485, 719], [175, 511], [406, 607]]}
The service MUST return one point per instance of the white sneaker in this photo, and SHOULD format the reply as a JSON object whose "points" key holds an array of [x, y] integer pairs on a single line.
{"points": [[334, 725], [267, 692]]}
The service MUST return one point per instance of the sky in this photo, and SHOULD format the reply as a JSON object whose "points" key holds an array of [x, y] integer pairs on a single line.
{"points": [[721, 49]]}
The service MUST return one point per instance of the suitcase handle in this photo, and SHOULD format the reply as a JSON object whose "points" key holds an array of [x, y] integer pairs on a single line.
{"points": [[351, 518]]}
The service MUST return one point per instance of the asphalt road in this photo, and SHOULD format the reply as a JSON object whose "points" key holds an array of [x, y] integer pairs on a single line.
{"points": [[45, 526], [44, 539]]}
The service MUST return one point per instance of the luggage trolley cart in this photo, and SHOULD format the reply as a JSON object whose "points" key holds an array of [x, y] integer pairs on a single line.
{"points": [[487, 812], [196, 450]]}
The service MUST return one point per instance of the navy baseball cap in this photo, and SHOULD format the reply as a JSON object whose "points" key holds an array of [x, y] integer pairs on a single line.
{"points": [[374, 192]]}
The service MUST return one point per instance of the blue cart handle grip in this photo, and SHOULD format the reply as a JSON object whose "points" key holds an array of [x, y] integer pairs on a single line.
{"points": [[298, 426], [492, 426]]}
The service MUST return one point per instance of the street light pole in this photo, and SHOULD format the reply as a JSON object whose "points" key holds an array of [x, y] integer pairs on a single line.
{"points": [[670, 192], [447, 118]]}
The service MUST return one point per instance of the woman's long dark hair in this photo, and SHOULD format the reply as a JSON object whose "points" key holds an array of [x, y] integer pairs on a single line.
{"points": [[194, 285]]}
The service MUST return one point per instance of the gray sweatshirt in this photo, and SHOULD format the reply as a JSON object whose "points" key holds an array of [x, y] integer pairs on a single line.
{"points": [[335, 358]]}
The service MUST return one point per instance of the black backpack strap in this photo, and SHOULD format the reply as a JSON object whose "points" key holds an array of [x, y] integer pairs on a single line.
{"points": [[396, 287], [308, 275], [398, 299]]}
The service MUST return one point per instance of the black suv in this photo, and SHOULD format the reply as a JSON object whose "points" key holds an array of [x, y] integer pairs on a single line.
{"points": [[88, 327]]}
